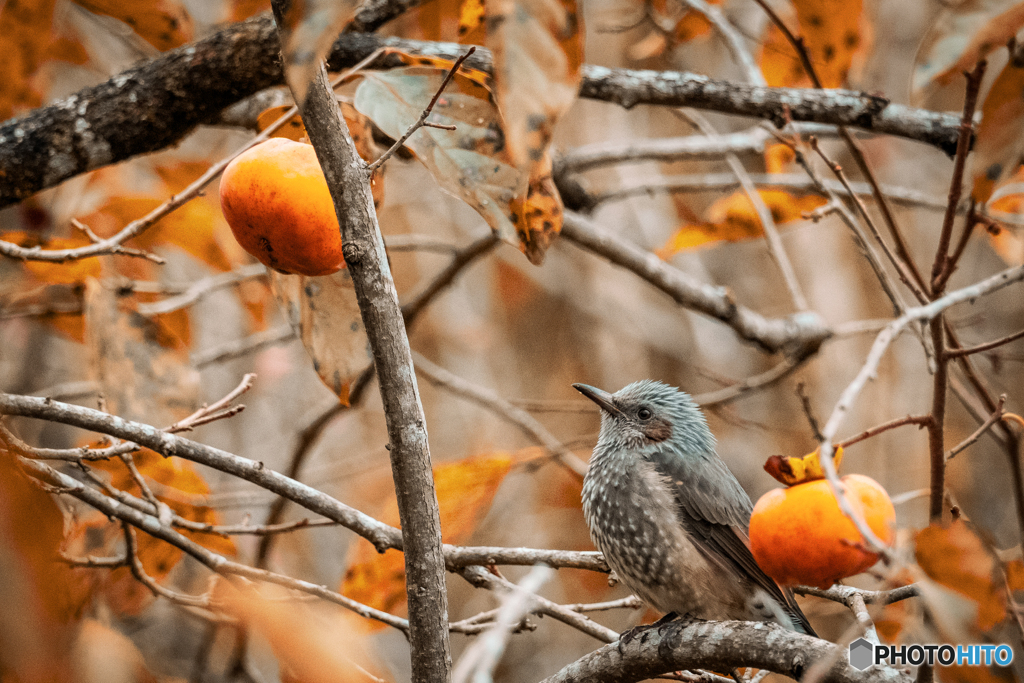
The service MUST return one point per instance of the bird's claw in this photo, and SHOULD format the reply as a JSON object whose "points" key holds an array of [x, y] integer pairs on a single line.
{"points": [[644, 630]]}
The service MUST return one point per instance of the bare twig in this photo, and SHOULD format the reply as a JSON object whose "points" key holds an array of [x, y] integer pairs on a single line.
{"points": [[243, 346], [421, 121], [995, 417], [208, 413], [493, 402], [202, 288], [988, 346], [846, 594], [904, 271], [772, 239], [943, 265], [919, 420], [855, 150], [867, 371], [783, 369], [805, 403], [799, 335]]}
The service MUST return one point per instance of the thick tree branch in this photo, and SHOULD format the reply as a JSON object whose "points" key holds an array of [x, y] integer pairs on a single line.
{"points": [[363, 247], [154, 104], [718, 646], [798, 336]]}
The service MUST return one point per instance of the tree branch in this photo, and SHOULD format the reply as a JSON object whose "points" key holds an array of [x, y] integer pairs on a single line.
{"points": [[798, 336], [155, 104], [718, 646], [349, 183]]}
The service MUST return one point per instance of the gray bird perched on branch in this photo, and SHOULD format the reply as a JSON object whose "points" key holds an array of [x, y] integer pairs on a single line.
{"points": [[670, 517]]}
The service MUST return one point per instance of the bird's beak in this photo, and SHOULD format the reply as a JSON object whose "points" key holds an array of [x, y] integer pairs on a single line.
{"points": [[601, 397]]}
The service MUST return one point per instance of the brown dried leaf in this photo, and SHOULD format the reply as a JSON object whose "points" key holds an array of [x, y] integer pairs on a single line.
{"points": [[140, 364], [310, 28], [164, 24], [469, 162], [995, 33], [324, 313], [956, 558], [465, 490], [999, 144], [539, 220], [471, 18], [538, 51]]}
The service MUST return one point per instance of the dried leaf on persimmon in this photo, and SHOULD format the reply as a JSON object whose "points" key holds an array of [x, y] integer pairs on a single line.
{"points": [[310, 27], [538, 50], [834, 35], [325, 315], [468, 162], [956, 558], [465, 490], [999, 145], [734, 219], [164, 24]]}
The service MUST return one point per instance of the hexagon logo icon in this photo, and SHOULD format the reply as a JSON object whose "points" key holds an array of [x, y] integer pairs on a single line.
{"points": [[861, 654]]}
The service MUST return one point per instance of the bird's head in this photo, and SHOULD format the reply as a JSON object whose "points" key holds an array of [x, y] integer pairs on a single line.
{"points": [[649, 415]]}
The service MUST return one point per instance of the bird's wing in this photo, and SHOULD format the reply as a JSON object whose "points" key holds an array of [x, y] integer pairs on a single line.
{"points": [[715, 510]]}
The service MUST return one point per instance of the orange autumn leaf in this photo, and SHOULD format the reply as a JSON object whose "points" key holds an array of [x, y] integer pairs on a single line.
{"points": [[25, 37], [1008, 242], [998, 144], [777, 157], [471, 18], [481, 78], [293, 130], [465, 490], [243, 9], [733, 219], [174, 482], [539, 216], [957, 559], [833, 34], [310, 646], [164, 24], [38, 592], [53, 273]]}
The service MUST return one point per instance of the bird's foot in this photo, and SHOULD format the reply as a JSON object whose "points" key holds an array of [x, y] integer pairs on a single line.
{"points": [[643, 630]]}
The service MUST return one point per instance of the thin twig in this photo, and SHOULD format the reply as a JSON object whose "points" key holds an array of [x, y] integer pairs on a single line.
{"points": [[906, 275], [499, 406], [919, 420], [943, 265], [855, 150], [203, 288], [772, 239], [805, 402], [956, 353], [421, 121], [200, 416], [995, 417]]}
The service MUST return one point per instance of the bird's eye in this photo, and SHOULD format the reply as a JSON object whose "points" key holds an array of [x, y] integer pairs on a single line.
{"points": [[644, 414]]}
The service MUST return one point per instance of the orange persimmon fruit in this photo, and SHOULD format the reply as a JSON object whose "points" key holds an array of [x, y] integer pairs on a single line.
{"points": [[798, 535], [275, 198]]}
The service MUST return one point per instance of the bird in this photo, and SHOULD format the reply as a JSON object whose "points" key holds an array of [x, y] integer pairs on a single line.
{"points": [[670, 517]]}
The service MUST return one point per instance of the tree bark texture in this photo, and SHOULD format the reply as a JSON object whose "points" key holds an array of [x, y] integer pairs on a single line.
{"points": [[155, 104]]}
